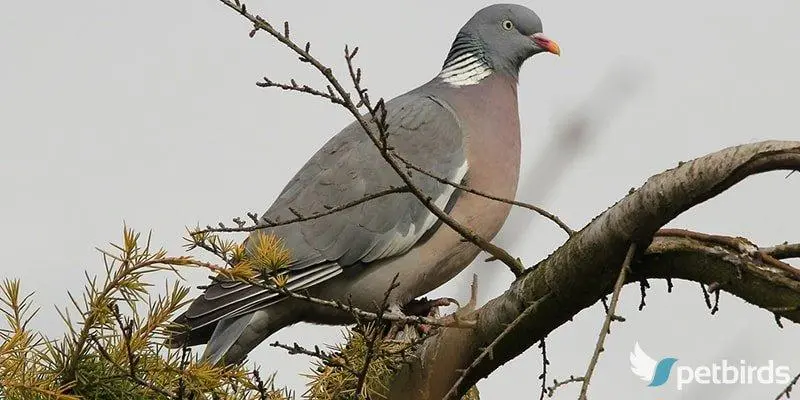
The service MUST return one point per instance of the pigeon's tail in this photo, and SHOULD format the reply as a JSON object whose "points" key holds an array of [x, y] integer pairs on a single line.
{"points": [[182, 334], [228, 341], [233, 338]]}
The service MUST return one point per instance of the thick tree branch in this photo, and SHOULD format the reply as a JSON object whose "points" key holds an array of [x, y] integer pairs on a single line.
{"points": [[581, 271]]}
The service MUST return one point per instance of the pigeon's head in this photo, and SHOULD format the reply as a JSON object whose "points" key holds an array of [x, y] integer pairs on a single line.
{"points": [[503, 36]]}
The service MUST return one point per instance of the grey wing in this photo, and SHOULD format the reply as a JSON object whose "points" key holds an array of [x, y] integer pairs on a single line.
{"points": [[424, 131]]}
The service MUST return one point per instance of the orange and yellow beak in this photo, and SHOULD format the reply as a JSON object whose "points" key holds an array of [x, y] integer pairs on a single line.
{"points": [[548, 45]]}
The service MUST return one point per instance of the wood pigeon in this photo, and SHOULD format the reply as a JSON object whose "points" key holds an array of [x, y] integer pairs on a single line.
{"points": [[462, 126]]}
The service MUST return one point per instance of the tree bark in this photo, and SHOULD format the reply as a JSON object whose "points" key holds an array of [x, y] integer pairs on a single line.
{"points": [[583, 270]]}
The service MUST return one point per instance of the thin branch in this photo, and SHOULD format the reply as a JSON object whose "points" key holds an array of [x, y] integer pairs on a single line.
{"points": [[715, 308], [331, 210], [788, 389], [552, 217], [783, 251], [294, 87], [372, 341], [316, 353], [126, 329], [262, 389], [736, 243], [742, 245], [623, 273], [551, 390], [643, 286], [389, 317], [488, 350], [184, 363], [211, 248], [706, 296], [545, 363]]}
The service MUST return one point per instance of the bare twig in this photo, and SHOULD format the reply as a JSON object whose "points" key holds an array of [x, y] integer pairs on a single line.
{"points": [[778, 320], [487, 351], [551, 390], [210, 247], [706, 296], [788, 389], [743, 245], [740, 244], [322, 355], [623, 273], [389, 317], [643, 286], [545, 363], [185, 352], [126, 330], [262, 389], [329, 211], [715, 308], [783, 251], [375, 334], [552, 217], [294, 87]]}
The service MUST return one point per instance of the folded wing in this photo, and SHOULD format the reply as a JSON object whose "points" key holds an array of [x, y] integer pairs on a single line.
{"points": [[422, 130]]}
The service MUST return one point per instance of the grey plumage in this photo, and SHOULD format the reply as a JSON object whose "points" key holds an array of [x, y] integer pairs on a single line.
{"points": [[348, 168], [352, 254]]}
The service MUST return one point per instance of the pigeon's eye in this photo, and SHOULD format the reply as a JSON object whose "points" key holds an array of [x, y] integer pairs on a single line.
{"points": [[508, 25]]}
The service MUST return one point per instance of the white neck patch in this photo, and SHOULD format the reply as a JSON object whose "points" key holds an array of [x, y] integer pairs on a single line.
{"points": [[468, 69]]}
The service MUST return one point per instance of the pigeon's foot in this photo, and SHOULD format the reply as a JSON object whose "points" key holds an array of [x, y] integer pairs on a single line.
{"points": [[455, 320], [428, 308], [463, 317]]}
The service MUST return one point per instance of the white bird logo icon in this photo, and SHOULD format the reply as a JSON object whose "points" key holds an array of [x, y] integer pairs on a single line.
{"points": [[641, 364]]}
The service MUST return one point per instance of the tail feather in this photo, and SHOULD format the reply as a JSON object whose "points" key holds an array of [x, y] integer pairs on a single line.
{"points": [[233, 338], [182, 334], [230, 339]]}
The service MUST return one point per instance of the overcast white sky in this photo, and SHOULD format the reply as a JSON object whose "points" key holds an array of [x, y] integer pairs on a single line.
{"points": [[146, 112]]}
